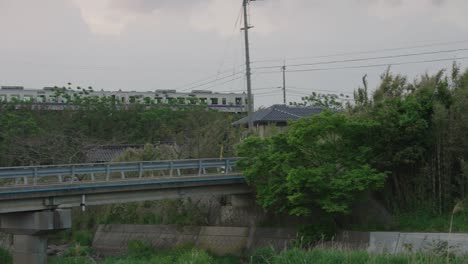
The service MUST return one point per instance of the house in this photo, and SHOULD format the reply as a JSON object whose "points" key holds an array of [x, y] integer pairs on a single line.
{"points": [[278, 116]]}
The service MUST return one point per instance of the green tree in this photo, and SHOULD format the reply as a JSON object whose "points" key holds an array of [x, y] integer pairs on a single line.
{"points": [[322, 162]]}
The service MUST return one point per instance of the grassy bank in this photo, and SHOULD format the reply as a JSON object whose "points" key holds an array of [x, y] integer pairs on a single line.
{"points": [[419, 221], [140, 254]]}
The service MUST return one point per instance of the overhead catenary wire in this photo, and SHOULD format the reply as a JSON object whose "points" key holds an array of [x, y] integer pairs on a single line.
{"points": [[216, 78], [368, 51], [368, 66], [236, 25], [365, 59], [212, 81], [228, 81], [319, 91]]}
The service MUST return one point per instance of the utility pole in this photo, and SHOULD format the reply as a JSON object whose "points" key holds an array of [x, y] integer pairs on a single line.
{"points": [[284, 82], [247, 65]]}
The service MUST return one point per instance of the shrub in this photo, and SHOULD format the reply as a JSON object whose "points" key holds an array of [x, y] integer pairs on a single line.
{"points": [[84, 238], [194, 256], [139, 249], [262, 255], [77, 250], [5, 256]]}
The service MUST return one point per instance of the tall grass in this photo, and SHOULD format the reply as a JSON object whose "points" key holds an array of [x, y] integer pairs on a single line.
{"points": [[318, 256], [139, 253], [5, 257]]}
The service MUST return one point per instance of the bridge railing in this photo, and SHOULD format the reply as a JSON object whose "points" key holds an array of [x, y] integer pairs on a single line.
{"points": [[56, 174]]}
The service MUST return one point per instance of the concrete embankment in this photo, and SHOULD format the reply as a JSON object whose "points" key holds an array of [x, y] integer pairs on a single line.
{"points": [[405, 242], [113, 239]]}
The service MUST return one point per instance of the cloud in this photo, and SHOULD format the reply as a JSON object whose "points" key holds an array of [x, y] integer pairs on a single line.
{"points": [[452, 12], [112, 17], [102, 18]]}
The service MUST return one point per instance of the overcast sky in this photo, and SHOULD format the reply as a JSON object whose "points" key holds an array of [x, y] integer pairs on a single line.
{"points": [[170, 44]]}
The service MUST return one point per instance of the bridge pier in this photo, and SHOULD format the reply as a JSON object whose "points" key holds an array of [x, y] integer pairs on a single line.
{"points": [[30, 231]]}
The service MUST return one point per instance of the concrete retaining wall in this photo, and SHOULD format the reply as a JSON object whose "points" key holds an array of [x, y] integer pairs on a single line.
{"points": [[400, 242], [111, 240], [6, 241]]}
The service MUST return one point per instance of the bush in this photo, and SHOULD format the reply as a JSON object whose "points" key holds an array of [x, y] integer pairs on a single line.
{"points": [[139, 249], [5, 257], [194, 256], [262, 255], [84, 238], [70, 260], [77, 250], [312, 234]]}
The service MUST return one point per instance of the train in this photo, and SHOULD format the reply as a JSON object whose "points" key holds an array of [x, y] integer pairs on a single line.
{"points": [[54, 98]]}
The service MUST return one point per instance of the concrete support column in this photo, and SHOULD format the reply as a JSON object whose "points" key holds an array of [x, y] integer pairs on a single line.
{"points": [[29, 249], [30, 231]]}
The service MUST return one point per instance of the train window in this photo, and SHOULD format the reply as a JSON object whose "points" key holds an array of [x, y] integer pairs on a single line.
{"points": [[203, 100], [14, 97], [148, 100], [2, 98], [224, 101], [246, 101], [193, 100], [27, 98], [214, 101], [238, 101], [132, 99], [40, 98], [181, 100], [158, 100], [52, 98], [123, 99]]}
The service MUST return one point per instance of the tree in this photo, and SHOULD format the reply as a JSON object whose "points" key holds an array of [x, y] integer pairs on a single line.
{"points": [[329, 101], [322, 162]]}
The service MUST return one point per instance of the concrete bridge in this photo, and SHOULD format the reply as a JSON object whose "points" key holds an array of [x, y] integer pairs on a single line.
{"points": [[37, 200]]}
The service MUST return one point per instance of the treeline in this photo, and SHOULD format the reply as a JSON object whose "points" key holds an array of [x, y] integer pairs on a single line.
{"points": [[407, 143], [31, 136]]}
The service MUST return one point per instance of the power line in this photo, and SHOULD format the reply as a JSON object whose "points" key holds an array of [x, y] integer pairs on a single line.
{"points": [[368, 66], [228, 81], [228, 43], [256, 89], [212, 81], [368, 51], [365, 59], [207, 81], [318, 90]]}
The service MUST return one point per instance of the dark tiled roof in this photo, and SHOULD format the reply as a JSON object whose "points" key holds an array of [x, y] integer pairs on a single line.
{"points": [[280, 113], [108, 153]]}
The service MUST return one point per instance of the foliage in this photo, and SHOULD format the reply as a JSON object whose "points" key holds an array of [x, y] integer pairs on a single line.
{"points": [[310, 235], [321, 162], [77, 250], [262, 255], [319, 256], [139, 249], [83, 237], [267, 256], [329, 101], [70, 260], [32, 135], [5, 256], [142, 252], [414, 132]]}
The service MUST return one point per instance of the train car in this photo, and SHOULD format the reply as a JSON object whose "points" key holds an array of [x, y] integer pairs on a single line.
{"points": [[50, 98]]}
